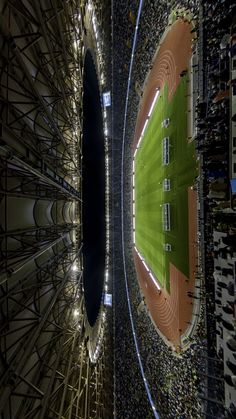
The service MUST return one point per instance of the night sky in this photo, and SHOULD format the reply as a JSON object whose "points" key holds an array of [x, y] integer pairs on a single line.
{"points": [[93, 192]]}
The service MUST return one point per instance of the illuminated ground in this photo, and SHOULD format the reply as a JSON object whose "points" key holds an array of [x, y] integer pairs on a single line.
{"points": [[149, 194]]}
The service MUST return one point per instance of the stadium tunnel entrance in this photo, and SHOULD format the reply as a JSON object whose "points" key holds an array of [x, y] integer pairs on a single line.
{"points": [[93, 192]]}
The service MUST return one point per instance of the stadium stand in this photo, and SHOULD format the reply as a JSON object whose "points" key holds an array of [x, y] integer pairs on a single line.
{"points": [[151, 345], [193, 380]]}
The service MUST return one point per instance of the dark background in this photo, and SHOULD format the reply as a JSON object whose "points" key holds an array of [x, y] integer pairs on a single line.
{"points": [[93, 192]]}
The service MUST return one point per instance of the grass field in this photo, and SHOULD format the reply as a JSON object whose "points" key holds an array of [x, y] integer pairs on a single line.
{"points": [[149, 194]]}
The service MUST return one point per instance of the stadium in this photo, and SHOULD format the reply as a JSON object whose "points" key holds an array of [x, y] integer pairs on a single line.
{"points": [[164, 176], [117, 209]]}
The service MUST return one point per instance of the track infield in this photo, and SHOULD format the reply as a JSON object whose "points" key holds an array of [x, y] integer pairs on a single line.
{"points": [[149, 194], [170, 309]]}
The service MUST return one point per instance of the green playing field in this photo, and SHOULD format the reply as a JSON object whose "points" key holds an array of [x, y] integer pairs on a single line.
{"points": [[150, 172]]}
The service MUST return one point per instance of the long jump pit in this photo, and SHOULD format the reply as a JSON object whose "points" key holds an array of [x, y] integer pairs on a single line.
{"points": [[166, 277]]}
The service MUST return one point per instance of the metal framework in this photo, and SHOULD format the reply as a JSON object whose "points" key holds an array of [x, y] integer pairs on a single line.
{"points": [[45, 370]]}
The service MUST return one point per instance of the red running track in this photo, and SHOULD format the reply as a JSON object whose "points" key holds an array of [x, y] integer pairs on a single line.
{"points": [[170, 312]]}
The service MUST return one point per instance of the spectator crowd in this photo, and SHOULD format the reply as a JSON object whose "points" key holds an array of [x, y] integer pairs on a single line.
{"points": [[190, 384]]}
